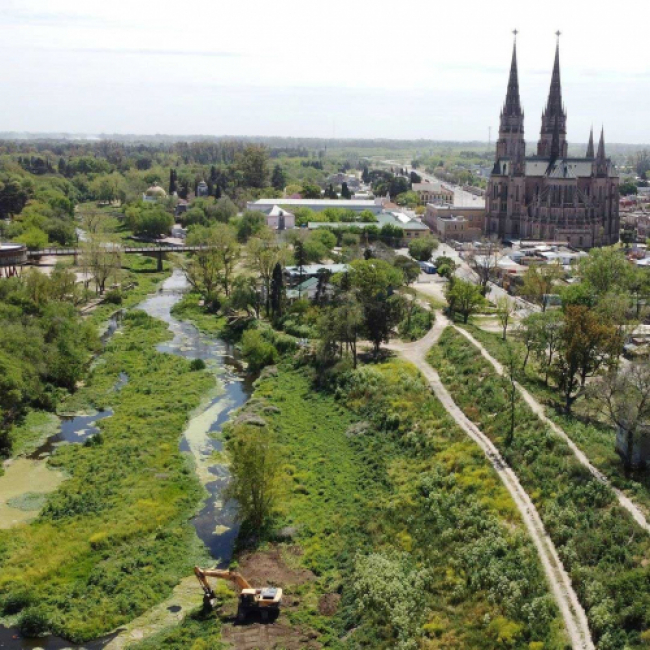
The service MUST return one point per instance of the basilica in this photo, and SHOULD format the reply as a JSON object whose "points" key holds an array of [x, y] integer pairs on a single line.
{"points": [[550, 196]]}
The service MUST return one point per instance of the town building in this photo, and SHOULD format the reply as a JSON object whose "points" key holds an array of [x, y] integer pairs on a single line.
{"points": [[278, 218], [461, 224], [154, 193], [412, 228], [202, 189], [433, 192], [317, 205], [550, 195], [12, 258]]}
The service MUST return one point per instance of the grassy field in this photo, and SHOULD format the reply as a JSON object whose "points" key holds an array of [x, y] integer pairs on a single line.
{"points": [[605, 552], [399, 515], [595, 437], [115, 537]]}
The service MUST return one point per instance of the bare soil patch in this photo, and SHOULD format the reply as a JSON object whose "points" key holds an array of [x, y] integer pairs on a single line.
{"points": [[328, 604], [269, 568], [257, 636]]}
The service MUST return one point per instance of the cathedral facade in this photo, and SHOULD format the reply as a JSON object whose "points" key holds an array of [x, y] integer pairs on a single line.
{"points": [[549, 196]]}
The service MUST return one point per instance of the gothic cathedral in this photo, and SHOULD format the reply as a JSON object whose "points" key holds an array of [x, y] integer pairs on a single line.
{"points": [[550, 196]]}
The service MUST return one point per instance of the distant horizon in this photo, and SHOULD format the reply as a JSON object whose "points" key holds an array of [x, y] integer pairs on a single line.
{"points": [[180, 137]]}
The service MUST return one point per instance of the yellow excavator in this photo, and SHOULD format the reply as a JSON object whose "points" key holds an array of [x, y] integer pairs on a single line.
{"points": [[264, 601]]}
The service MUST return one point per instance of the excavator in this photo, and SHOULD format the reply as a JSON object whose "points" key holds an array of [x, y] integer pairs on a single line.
{"points": [[264, 601]]}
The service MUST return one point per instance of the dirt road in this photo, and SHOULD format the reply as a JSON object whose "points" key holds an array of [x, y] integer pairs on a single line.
{"points": [[539, 410], [575, 619]]}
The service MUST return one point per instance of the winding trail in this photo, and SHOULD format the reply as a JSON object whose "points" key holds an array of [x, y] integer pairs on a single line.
{"points": [[540, 411], [574, 616]]}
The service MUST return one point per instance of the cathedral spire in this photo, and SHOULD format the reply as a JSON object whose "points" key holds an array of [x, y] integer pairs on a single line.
{"points": [[554, 115], [601, 145], [554, 105], [590, 146], [513, 103]]}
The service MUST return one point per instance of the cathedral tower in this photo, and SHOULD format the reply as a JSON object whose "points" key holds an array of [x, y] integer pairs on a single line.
{"points": [[511, 144], [552, 139]]}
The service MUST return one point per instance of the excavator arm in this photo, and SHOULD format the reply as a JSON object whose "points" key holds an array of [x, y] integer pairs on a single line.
{"points": [[203, 574]]}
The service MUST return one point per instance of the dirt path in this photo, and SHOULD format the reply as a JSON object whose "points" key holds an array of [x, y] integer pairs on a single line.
{"points": [[540, 411], [572, 612]]}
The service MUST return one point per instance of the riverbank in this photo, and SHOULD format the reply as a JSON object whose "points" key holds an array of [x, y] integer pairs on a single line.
{"points": [[392, 529], [115, 538]]}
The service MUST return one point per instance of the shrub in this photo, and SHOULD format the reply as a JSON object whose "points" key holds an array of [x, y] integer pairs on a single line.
{"points": [[113, 297], [257, 351], [33, 622], [197, 364]]}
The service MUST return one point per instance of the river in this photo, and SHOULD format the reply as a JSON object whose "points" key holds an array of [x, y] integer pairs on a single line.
{"points": [[215, 523]]}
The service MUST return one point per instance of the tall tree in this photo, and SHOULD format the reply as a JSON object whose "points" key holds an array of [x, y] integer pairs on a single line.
{"points": [[277, 292], [255, 469], [463, 297], [263, 252], [624, 398], [485, 263], [253, 163], [539, 281], [586, 346], [345, 192], [278, 178]]}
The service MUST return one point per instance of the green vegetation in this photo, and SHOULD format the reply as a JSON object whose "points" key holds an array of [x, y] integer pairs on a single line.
{"points": [[114, 539], [381, 486], [599, 543], [593, 436], [422, 248], [44, 347]]}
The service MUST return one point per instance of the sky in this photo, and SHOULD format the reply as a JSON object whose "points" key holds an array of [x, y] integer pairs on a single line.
{"points": [[346, 69]]}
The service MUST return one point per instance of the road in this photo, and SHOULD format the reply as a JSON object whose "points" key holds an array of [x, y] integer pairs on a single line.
{"points": [[573, 614]]}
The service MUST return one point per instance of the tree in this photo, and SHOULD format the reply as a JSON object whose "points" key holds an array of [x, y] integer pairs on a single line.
{"points": [[253, 163], [310, 191], [391, 235], [278, 178], [250, 223], [505, 310], [246, 296], [510, 377], [485, 264], [374, 282], [172, 181], [149, 220], [34, 238], [422, 248], [409, 268], [205, 269], [463, 297], [415, 178], [539, 281], [339, 327], [223, 239], [605, 269], [586, 345], [625, 189], [365, 175], [277, 292], [101, 258], [544, 331], [255, 470], [345, 192], [446, 266], [624, 398], [263, 253]]}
